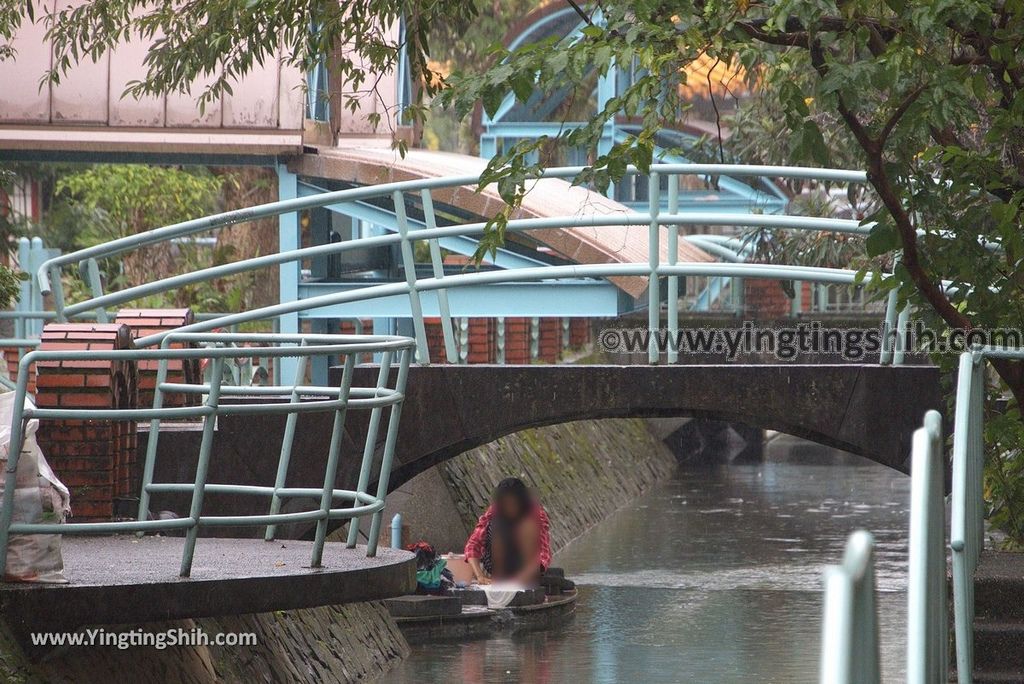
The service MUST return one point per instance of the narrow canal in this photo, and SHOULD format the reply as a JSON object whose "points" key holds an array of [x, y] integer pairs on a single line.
{"points": [[713, 577]]}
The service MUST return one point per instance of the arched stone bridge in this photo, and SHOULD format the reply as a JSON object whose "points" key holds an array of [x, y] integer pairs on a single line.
{"points": [[869, 410]]}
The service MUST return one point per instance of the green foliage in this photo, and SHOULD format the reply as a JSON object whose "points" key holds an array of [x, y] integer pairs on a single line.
{"points": [[131, 198], [926, 96], [106, 202]]}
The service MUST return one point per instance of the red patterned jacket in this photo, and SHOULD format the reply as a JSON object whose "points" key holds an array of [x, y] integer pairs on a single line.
{"points": [[475, 543]]}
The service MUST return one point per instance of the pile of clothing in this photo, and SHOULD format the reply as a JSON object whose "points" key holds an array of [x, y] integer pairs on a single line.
{"points": [[432, 573]]}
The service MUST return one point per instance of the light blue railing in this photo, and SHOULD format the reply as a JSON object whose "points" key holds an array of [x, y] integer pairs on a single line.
{"points": [[290, 400], [850, 635], [927, 615], [849, 639], [967, 527], [413, 287]]}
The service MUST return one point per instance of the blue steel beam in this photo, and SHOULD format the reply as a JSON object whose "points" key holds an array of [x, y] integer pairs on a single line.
{"points": [[571, 299], [385, 219]]}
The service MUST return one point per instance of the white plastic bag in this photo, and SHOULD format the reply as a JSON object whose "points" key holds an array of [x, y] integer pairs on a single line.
{"points": [[38, 497]]}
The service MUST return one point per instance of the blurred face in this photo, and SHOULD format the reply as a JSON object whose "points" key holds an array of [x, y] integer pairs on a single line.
{"points": [[509, 507]]}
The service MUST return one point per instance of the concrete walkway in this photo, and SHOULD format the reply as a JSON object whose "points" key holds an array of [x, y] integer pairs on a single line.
{"points": [[124, 579]]}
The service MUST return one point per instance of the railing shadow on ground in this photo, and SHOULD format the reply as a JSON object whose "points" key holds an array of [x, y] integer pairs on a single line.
{"points": [[386, 396]]}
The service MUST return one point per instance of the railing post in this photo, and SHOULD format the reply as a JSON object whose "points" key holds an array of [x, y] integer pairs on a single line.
{"points": [[889, 329], [967, 524], [369, 448], [331, 469], [13, 454], [57, 292], [289, 273], [389, 454], [654, 260], [849, 643], [154, 436], [673, 280], [37, 256], [438, 267], [901, 337], [203, 465], [927, 622], [409, 266], [92, 277], [285, 455]]}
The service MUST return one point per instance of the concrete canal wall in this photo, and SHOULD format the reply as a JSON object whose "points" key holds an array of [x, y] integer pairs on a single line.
{"points": [[327, 644], [582, 472]]}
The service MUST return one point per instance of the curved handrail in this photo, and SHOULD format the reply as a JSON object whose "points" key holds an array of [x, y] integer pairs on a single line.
{"points": [[739, 270], [267, 210], [388, 393]]}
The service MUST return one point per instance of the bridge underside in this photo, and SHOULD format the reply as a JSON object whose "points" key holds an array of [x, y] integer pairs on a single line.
{"points": [[869, 410]]}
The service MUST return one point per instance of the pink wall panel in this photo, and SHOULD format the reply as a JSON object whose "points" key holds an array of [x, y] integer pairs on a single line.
{"points": [[183, 109], [125, 66], [81, 96], [381, 102], [291, 97], [253, 100], [21, 99]]}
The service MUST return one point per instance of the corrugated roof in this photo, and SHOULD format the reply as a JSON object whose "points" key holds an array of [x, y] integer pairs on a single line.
{"points": [[546, 198]]}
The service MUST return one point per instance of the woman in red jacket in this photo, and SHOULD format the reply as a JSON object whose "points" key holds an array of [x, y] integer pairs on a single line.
{"points": [[511, 541]]}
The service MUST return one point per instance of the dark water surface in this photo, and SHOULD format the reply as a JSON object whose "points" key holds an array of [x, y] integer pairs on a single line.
{"points": [[714, 576]]}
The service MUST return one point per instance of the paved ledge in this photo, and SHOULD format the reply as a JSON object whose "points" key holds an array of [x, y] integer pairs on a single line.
{"points": [[123, 579]]}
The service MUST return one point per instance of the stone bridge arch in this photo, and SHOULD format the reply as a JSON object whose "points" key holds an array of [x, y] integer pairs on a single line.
{"points": [[869, 410]]}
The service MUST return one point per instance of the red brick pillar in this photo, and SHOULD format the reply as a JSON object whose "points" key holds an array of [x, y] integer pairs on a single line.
{"points": [[765, 299], [96, 459], [481, 340], [143, 322], [517, 340], [579, 332], [11, 358], [435, 340], [549, 345]]}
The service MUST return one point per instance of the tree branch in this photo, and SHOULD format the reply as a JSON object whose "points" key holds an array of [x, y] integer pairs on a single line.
{"points": [[898, 113]]}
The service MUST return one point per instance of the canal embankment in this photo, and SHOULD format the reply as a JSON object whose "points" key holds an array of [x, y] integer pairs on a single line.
{"points": [[581, 471]]}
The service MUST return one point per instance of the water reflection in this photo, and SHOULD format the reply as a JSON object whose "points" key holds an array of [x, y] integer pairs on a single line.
{"points": [[713, 577]]}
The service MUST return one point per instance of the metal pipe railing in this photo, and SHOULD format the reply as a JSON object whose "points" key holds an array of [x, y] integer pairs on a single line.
{"points": [[849, 642], [850, 633], [927, 617], [967, 524], [396, 194], [295, 399]]}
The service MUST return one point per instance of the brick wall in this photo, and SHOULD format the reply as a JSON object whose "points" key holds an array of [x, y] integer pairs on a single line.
{"points": [[517, 340], [95, 459], [549, 344], [11, 358]]}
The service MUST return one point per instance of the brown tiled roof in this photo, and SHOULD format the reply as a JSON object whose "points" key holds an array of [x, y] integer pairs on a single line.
{"points": [[550, 197]]}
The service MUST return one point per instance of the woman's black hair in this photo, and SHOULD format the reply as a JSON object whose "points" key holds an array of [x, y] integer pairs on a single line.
{"points": [[517, 489]]}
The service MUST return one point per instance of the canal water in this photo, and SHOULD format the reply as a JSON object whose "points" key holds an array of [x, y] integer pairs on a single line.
{"points": [[715, 576]]}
